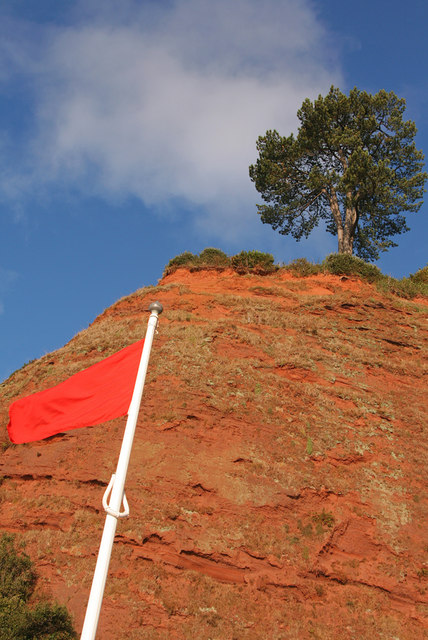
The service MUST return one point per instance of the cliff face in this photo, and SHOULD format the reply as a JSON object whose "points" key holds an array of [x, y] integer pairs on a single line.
{"points": [[278, 479]]}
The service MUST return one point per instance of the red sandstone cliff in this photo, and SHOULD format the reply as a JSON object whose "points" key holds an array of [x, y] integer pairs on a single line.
{"points": [[278, 480]]}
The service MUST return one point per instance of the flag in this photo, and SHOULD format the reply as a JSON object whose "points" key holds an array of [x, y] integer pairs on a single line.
{"points": [[97, 394]]}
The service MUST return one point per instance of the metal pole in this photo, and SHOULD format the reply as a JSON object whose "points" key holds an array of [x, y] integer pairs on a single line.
{"points": [[117, 485]]}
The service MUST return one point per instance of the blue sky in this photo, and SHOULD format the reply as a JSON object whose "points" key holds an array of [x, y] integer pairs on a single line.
{"points": [[127, 128]]}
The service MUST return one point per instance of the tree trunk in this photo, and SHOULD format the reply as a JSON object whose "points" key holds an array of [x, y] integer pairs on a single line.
{"points": [[343, 240], [351, 219], [345, 243], [345, 231]]}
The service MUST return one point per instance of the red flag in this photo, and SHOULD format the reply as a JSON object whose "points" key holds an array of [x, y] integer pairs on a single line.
{"points": [[101, 392]]}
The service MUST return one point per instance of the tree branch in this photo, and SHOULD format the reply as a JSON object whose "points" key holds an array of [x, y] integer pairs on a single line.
{"points": [[308, 204]]}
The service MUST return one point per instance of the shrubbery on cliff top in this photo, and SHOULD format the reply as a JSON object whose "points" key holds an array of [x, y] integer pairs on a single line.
{"points": [[182, 260], [215, 258], [345, 264], [253, 260], [421, 276], [340, 264], [301, 267]]}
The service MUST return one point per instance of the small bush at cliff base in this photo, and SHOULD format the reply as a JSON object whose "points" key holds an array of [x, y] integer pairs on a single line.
{"points": [[17, 577], [17, 620], [345, 264], [49, 622], [252, 260]]}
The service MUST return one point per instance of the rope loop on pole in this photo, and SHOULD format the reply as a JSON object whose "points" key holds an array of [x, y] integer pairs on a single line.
{"points": [[107, 508]]}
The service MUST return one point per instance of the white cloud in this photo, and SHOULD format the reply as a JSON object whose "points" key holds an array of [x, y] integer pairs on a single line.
{"points": [[165, 101]]}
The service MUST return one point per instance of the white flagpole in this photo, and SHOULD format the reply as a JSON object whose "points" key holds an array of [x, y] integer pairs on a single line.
{"points": [[117, 486]]}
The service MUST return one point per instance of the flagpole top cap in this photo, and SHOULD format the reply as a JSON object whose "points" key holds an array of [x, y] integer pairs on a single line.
{"points": [[156, 307]]}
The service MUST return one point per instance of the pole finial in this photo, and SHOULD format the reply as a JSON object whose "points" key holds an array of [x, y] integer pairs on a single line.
{"points": [[156, 307]]}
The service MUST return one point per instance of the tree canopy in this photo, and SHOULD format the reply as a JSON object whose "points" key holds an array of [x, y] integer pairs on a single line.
{"points": [[353, 164]]}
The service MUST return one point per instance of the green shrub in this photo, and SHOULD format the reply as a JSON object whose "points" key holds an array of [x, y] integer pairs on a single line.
{"points": [[421, 276], [211, 257], [404, 288], [49, 622], [17, 577], [345, 264], [415, 285], [183, 259], [302, 267], [215, 257], [17, 620], [253, 260], [13, 619]]}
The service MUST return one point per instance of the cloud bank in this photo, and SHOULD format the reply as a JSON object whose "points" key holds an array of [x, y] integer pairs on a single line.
{"points": [[164, 101]]}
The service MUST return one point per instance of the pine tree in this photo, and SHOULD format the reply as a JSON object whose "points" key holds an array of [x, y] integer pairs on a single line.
{"points": [[353, 164]]}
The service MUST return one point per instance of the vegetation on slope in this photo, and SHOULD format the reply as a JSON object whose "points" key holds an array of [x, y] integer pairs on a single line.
{"points": [[335, 263], [256, 261], [19, 621]]}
